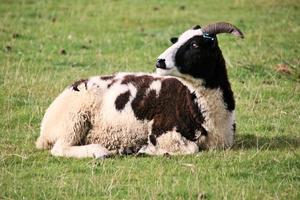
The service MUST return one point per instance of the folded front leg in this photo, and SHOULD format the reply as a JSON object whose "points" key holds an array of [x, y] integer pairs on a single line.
{"points": [[85, 151], [171, 143]]}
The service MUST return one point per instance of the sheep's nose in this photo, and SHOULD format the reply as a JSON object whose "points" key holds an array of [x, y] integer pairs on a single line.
{"points": [[161, 64]]}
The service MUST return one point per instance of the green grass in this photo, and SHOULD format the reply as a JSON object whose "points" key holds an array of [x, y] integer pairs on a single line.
{"points": [[103, 37]]}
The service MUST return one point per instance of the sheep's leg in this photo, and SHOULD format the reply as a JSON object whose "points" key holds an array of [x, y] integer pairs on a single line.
{"points": [[61, 148], [152, 150], [68, 116], [186, 149], [171, 143]]}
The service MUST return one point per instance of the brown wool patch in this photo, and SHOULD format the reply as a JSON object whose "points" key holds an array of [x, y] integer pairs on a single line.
{"points": [[111, 83], [121, 100], [75, 85], [143, 81], [174, 107], [178, 110], [105, 78], [143, 105]]}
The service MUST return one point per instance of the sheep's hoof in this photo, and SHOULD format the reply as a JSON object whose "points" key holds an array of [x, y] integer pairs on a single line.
{"points": [[142, 152], [126, 151], [141, 155], [167, 155], [101, 156]]}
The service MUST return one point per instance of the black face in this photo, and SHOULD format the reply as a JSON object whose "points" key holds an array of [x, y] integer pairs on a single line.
{"points": [[202, 58], [198, 57]]}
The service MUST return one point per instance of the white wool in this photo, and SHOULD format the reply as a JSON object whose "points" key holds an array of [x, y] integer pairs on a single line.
{"points": [[156, 86]]}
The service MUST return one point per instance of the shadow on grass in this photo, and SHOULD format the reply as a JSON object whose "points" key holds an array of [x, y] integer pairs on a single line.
{"points": [[249, 141]]}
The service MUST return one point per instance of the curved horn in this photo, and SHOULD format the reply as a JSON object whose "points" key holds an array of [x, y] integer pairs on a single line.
{"points": [[222, 27]]}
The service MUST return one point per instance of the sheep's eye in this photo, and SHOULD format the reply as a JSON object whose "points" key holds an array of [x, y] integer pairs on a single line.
{"points": [[194, 45]]}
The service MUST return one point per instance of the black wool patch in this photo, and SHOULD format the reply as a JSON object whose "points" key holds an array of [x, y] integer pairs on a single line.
{"points": [[121, 100]]}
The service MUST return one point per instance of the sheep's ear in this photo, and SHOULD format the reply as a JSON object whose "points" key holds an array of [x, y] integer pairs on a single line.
{"points": [[210, 39], [174, 40]]}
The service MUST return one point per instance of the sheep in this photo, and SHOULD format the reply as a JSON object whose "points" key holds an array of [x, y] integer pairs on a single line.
{"points": [[185, 107]]}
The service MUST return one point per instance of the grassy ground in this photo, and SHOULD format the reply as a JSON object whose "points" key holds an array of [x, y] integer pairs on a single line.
{"points": [[46, 45]]}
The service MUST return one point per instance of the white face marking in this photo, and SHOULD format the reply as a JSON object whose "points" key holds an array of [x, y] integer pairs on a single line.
{"points": [[169, 54], [156, 86]]}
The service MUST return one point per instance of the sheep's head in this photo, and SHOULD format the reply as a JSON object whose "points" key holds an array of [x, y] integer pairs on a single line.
{"points": [[195, 52]]}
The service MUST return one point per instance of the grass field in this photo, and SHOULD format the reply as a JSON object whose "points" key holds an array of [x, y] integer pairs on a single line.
{"points": [[46, 45]]}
